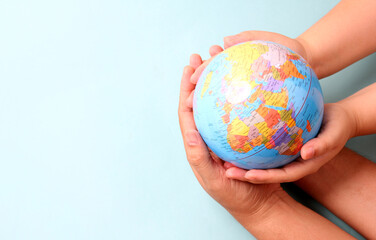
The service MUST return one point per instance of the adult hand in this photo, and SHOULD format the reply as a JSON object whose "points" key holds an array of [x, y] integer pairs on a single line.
{"points": [[241, 199]]}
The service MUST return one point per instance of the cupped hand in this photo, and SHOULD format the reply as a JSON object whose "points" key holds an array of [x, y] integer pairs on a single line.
{"points": [[296, 45], [238, 197], [337, 128]]}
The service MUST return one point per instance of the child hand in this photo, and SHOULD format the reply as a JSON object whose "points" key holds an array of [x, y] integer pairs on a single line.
{"points": [[296, 45], [337, 127]]}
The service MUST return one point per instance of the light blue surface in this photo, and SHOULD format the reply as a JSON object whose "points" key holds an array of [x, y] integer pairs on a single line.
{"points": [[90, 146]]}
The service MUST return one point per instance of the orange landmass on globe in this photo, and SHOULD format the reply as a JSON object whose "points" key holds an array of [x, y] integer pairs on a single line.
{"points": [[290, 70], [238, 131], [308, 126], [227, 108]]}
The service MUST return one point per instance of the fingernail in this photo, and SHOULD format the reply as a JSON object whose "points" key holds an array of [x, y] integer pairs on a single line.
{"points": [[192, 138]]}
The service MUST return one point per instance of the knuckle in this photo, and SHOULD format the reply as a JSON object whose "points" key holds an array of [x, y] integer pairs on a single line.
{"points": [[186, 68]]}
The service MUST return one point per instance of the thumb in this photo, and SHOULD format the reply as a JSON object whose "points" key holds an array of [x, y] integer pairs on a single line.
{"points": [[199, 157], [326, 141]]}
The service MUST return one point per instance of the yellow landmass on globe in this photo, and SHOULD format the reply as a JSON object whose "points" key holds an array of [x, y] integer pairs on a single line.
{"points": [[238, 127], [233, 56], [238, 135], [206, 83], [276, 99], [265, 130], [290, 70]]}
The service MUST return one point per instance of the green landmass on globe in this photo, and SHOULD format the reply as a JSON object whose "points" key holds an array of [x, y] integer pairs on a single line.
{"points": [[256, 104]]}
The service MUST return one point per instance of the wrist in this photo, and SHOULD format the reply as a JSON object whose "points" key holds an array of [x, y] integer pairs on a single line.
{"points": [[256, 220], [308, 56], [285, 218], [352, 119]]}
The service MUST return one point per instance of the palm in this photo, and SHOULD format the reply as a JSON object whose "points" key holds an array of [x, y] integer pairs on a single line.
{"points": [[235, 195]]}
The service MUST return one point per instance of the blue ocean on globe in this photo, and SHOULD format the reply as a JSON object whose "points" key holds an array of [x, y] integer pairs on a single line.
{"points": [[256, 104]]}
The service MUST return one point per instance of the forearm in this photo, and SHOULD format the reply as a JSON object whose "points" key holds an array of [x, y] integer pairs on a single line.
{"points": [[362, 108], [343, 36], [346, 186], [288, 219]]}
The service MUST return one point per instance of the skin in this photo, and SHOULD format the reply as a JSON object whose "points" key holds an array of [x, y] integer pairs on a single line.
{"points": [[320, 46], [340, 179], [346, 185], [265, 210]]}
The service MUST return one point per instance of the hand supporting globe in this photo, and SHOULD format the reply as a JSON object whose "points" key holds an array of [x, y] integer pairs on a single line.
{"points": [[248, 203]]}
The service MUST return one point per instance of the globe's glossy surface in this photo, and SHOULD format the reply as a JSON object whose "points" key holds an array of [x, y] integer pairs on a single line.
{"points": [[256, 104]]}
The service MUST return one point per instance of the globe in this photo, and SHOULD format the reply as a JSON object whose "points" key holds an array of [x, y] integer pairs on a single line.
{"points": [[256, 104]]}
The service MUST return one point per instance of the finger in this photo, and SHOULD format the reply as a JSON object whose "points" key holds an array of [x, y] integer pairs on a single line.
{"points": [[214, 50], [186, 87], [196, 75], [189, 102], [246, 36], [289, 173], [324, 143], [199, 157], [195, 60], [230, 41], [196, 149], [236, 173], [331, 136], [311, 149]]}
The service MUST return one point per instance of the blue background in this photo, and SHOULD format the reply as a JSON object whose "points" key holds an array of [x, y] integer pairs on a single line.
{"points": [[90, 146]]}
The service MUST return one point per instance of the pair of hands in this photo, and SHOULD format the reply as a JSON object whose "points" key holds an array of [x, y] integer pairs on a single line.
{"points": [[221, 180]]}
